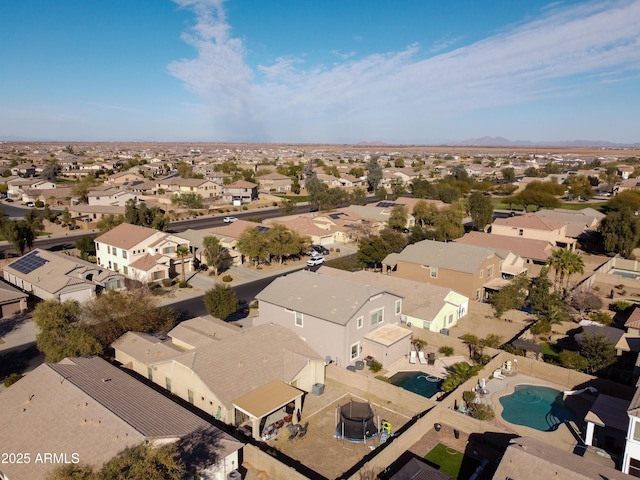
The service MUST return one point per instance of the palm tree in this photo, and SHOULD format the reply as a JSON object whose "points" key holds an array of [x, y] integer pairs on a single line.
{"points": [[182, 252], [557, 262], [574, 264], [565, 263]]}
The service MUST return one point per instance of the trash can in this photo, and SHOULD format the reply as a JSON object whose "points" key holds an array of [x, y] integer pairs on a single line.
{"points": [[359, 365], [437, 427], [317, 389], [456, 433]]}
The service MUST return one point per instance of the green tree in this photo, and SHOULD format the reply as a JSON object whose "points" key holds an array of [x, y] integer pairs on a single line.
{"points": [[253, 244], [493, 340], [281, 242], [457, 374], [398, 217], [565, 263], [221, 301], [188, 200], [358, 197], [601, 317], [71, 471], [628, 200], [87, 246], [381, 193], [287, 207], [540, 291], [374, 173], [480, 209], [448, 223], [50, 171], [81, 188], [214, 253], [510, 297], [295, 185], [472, 342], [182, 252], [573, 360], [20, 234], [398, 188], [371, 251], [144, 461], [579, 186], [620, 231], [425, 213], [108, 222], [508, 175], [598, 350], [315, 189]]}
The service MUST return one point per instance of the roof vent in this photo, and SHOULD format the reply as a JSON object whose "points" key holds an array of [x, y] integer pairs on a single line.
{"points": [[105, 380]]}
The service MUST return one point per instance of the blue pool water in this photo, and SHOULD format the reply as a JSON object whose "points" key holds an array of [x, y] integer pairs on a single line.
{"points": [[418, 382], [536, 407], [624, 273]]}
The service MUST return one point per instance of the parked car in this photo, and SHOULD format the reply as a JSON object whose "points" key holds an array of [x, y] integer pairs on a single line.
{"points": [[312, 253], [230, 219], [312, 262], [30, 204], [320, 249]]}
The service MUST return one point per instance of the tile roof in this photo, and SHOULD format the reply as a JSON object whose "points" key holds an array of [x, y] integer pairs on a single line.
{"points": [[89, 407], [240, 184], [332, 299], [634, 319], [538, 250], [447, 255], [530, 220], [127, 235]]}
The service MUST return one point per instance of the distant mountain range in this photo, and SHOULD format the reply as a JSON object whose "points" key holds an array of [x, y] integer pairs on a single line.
{"points": [[505, 142]]}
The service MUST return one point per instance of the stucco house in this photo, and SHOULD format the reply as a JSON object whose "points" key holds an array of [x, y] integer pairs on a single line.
{"points": [[425, 306], [141, 253], [240, 192], [340, 319], [12, 300], [111, 196], [534, 227], [274, 182], [631, 459], [467, 269], [86, 410], [240, 376], [120, 178], [48, 275], [533, 251]]}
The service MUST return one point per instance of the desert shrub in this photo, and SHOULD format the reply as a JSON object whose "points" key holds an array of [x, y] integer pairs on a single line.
{"points": [[11, 379], [601, 317], [167, 282], [482, 411], [337, 250], [469, 397], [153, 285], [227, 278], [446, 350], [621, 305], [183, 284], [375, 366], [244, 207]]}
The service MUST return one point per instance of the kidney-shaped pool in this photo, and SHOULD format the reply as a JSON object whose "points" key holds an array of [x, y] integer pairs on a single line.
{"points": [[536, 406]]}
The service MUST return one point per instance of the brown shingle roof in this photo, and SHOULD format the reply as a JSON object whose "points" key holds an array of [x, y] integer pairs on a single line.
{"points": [[538, 250], [126, 235], [530, 220]]}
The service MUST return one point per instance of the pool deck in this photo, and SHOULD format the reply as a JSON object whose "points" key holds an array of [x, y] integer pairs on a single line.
{"points": [[563, 437]]}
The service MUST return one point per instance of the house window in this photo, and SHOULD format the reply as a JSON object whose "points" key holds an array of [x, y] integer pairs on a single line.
{"points": [[125, 270], [124, 254], [169, 249], [114, 250], [636, 431], [299, 318], [450, 318], [108, 249], [377, 316], [634, 467], [490, 271], [113, 284], [167, 383], [157, 275], [434, 272], [115, 267], [478, 294], [481, 273], [150, 373], [359, 322], [355, 350], [190, 396], [398, 307]]}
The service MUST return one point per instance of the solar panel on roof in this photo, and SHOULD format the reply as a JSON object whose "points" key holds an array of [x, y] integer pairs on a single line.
{"points": [[386, 204], [28, 263]]}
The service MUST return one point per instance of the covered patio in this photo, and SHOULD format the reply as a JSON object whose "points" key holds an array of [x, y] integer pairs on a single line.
{"points": [[267, 399]]}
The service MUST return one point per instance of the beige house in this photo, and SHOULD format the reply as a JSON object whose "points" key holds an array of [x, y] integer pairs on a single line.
{"points": [[274, 182], [142, 253], [121, 178], [240, 192], [340, 319], [48, 275], [86, 410], [232, 257], [467, 269], [534, 227], [12, 300], [111, 196], [176, 185], [533, 251], [238, 376]]}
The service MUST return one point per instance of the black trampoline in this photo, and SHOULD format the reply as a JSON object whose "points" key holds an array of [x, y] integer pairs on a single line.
{"points": [[356, 422]]}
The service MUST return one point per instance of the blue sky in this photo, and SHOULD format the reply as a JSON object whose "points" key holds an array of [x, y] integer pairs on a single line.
{"points": [[335, 71]]}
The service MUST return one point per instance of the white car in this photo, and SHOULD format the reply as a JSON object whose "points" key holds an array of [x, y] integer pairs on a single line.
{"points": [[229, 219], [30, 204], [312, 262]]}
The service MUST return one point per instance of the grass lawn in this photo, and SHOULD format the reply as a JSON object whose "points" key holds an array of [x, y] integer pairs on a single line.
{"points": [[550, 351], [451, 462], [295, 198]]}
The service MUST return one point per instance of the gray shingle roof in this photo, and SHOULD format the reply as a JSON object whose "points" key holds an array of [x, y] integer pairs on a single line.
{"points": [[333, 299]]}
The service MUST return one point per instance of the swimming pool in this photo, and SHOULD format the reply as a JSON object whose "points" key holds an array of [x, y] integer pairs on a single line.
{"points": [[624, 273], [536, 407], [418, 382]]}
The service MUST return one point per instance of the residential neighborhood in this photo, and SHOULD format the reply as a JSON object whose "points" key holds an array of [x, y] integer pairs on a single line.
{"points": [[362, 312]]}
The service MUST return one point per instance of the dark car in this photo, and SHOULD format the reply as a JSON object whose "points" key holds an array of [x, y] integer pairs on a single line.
{"points": [[320, 249]]}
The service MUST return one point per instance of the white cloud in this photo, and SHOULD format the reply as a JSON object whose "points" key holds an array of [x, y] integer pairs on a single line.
{"points": [[395, 94]]}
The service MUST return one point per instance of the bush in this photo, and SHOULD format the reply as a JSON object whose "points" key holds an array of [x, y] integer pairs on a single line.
{"points": [[469, 397], [601, 317], [167, 282], [375, 366], [227, 278], [11, 379], [337, 250], [621, 305], [244, 207], [39, 204], [153, 285], [481, 411], [183, 284], [446, 350]]}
